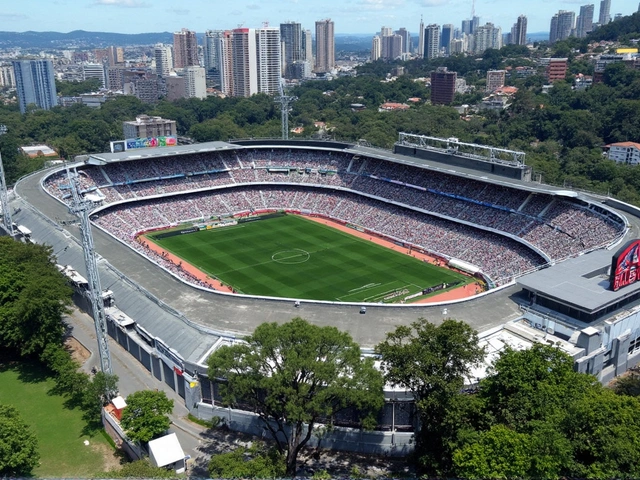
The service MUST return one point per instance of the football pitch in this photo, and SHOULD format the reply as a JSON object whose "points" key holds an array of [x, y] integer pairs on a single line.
{"points": [[293, 257]]}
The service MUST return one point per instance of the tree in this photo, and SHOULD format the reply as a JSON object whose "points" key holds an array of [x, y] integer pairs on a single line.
{"points": [[98, 392], [295, 375], [433, 362], [18, 444], [253, 462], [146, 415]]}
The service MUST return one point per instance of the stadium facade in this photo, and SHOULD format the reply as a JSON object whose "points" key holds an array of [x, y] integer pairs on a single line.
{"points": [[544, 251]]}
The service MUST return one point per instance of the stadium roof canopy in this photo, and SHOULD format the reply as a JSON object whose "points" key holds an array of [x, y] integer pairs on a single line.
{"points": [[140, 153], [580, 287]]}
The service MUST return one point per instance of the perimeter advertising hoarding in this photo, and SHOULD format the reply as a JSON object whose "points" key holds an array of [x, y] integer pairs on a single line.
{"points": [[624, 265], [151, 142]]}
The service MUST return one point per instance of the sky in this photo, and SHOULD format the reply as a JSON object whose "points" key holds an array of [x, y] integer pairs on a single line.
{"points": [[349, 16]]}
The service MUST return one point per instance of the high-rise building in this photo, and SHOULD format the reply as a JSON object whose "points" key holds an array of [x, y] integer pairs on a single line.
{"points": [[431, 41], [195, 83], [269, 62], [376, 48], [604, 17], [307, 46], [185, 49], [421, 38], [115, 78], [214, 48], [35, 83], [495, 79], [164, 59], [244, 61], [391, 47], [466, 27], [115, 56], [443, 86], [485, 37], [7, 78], [584, 22], [325, 46], [562, 24], [141, 83], [95, 71], [406, 40], [446, 37], [475, 23], [519, 31], [386, 31], [291, 35]]}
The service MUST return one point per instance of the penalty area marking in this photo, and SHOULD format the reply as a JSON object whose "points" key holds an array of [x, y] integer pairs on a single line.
{"points": [[291, 257]]}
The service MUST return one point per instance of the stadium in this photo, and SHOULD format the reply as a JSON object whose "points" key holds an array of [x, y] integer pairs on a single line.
{"points": [[196, 244]]}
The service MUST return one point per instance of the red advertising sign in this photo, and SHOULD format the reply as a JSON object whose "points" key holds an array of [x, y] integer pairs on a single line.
{"points": [[624, 265]]}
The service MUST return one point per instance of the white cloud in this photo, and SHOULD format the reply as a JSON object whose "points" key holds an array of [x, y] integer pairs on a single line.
{"points": [[379, 4], [13, 16]]}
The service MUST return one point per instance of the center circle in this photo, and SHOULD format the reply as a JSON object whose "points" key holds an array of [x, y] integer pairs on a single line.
{"points": [[291, 257]]}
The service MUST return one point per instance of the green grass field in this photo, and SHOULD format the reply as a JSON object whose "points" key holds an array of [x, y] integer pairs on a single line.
{"points": [[61, 431], [290, 256]]}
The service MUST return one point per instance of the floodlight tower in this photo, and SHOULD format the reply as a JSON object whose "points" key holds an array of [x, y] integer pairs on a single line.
{"points": [[285, 102], [4, 197], [81, 209]]}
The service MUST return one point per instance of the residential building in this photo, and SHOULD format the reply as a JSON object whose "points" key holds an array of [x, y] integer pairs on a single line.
{"points": [[624, 152], [431, 41], [35, 84], [562, 25], [443, 86], [325, 46], [556, 69], [605, 16], [218, 59], [115, 56], [185, 49], [446, 37], [291, 36], [115, 78], [407, 45], [195, 82], [421, 38], [386, 31], [519, 31], [144, 126], [486, 37], [495, 79], [96, 71], [244, 62], [584, 22], [459, 45], [269, 60], [376, 48], [164, 59], [391, 47], [7, 78], [307, 46], [142, 83]]}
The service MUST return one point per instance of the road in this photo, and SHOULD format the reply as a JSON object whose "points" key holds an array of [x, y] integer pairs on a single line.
{"points": [[134, 377]]}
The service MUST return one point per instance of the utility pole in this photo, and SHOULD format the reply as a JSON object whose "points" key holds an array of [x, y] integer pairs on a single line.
{"points": [[285, 102], [4, 196], [81, 208]]}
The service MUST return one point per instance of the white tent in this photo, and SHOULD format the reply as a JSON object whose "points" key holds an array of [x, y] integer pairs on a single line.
{"points": [[166, 451]]}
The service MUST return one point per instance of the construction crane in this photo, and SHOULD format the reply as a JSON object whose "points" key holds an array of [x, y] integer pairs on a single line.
{"points": [[81, 208]]}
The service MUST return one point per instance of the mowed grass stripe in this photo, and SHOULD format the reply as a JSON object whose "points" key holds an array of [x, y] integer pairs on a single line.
{"points": [[337, 266]]}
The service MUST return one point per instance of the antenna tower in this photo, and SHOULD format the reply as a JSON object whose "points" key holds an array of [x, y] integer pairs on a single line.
{"points": [[81, 208], [285, 102], [4, 197], [473, 9]]}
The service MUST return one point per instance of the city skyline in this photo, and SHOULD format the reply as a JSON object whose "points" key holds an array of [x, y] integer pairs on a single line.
{"points": [[358, 17]]}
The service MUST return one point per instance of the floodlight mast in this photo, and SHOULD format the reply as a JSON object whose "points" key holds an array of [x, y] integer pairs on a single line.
{"points": [[81, 209], [4, 196], [285, 102]]}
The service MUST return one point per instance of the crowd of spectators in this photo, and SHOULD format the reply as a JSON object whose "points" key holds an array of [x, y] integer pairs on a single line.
{"points": [[559, 227]]}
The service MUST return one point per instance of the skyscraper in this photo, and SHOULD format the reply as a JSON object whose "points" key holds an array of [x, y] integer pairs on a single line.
{"points": [[376, 48], [291, 35], [268, 59], [431, 41], [185, 49], [386, 31], [164, 59], [307, 46], [466, 27], [605, 7], [562, 23], [325, 46], [519, 31], [486, 37], [406, 39], [446, 37], [245, 73], [214, 51], [35, 83], [584, 22], [391, 47], [421, 38], [475, 23]]}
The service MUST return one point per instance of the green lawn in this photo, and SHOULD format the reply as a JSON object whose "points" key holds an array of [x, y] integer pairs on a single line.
{"points": [[60, 430], [290, 256]]}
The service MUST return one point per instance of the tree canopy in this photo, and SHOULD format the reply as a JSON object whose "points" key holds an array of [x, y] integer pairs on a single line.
{"points": [[18, 444], [33, 297], [146, 415], [297, 374]]}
